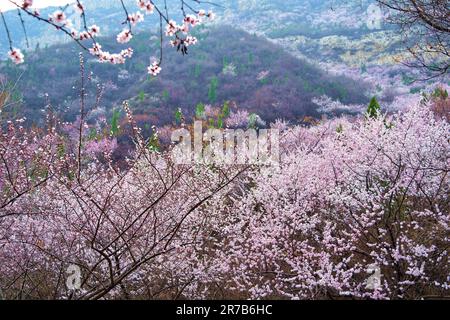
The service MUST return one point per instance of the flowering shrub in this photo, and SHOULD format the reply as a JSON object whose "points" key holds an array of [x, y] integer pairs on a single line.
{"points": [[28, 160], [328, 105]]}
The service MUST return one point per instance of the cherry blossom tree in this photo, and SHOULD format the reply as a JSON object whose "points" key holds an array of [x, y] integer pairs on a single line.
{"points": [[348, 198], [132, 230], [87, 37], [356, 209]]}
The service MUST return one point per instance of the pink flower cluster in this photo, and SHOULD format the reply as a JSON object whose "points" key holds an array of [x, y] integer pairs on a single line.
{"points": [[135, 18], [147, 6], [60, 20], [59, 17], [125, 36], [113, 58], [27, 3], [154, 69], [348, 198], [16, 56]]}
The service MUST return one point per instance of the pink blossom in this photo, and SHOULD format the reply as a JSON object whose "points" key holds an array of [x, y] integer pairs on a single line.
{"points": [[171, 28], [154, 69], [190, 40], [16, 56], [191, 19], [59, 17], [135, 18], [147, 6], [84, 35], [94, 30], [27, 3], [124, 36]]}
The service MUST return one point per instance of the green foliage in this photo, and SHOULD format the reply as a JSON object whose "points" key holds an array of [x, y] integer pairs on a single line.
{"points": [[153, 143], [115, 123], [264, 81], [200, 110], [252, 119], [197, 70], [61, 150], [251, 58], [373, 110], [212, 92], [226, 109], [225, 112], [165, 95], [178, 115], [141, 96], [92, 134], [213, 122], [440, 93], [220, 121], [225, 62]]}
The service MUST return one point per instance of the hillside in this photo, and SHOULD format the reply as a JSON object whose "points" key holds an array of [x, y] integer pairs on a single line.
{"points": [[327, 31], [342, 36], [270, 150], [333, 34], [228, 64]]}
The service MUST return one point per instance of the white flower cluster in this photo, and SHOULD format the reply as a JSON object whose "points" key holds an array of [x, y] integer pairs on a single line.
{"points": [[59, 19]]}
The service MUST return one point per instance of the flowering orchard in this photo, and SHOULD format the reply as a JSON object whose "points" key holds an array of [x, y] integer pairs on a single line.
{"points": [[348, 198], [87, 37], [356, 208]]}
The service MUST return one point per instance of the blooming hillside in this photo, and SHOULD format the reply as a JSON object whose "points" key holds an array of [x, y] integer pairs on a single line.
{"points": [[226, 65], [266, 150], [349, 197]]}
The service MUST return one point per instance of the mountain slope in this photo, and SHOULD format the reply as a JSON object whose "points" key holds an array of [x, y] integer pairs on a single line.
{"points": [[228, 64]]}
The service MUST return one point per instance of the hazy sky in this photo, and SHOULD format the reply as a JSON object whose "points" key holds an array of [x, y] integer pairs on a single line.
{"points": [[5, 4]]}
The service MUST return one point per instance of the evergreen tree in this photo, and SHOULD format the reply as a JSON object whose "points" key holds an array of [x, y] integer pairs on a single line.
{"points": [[212, 93], [373, 110]]}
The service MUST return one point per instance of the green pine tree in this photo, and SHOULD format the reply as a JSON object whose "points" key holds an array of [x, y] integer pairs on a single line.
{"points": [[373, 110], [212, 93], [200, 110], [178, 115], [141, 96], [226, 109], [115, 123]]}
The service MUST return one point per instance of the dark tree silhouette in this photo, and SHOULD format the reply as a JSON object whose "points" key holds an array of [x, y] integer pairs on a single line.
{"points": [[425, 26]]}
